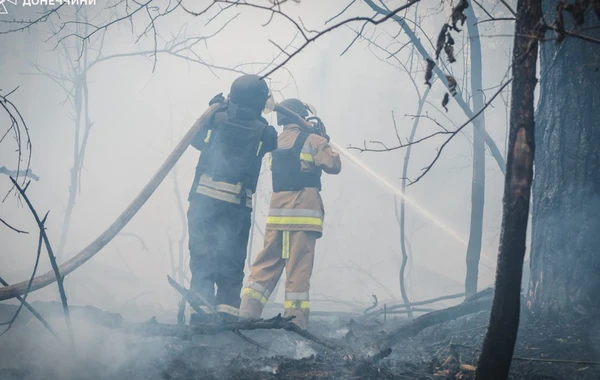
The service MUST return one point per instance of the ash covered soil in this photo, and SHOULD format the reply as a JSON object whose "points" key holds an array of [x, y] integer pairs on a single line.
{"points": [[446, 351]]}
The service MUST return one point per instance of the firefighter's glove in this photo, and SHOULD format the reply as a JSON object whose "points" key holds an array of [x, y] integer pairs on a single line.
{"points": [[216, 99]]}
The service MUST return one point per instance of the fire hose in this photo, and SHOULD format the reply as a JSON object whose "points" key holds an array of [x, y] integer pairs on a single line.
{"points": [[101, 241]]}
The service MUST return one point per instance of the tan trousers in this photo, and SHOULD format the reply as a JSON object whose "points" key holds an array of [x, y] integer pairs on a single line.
{"points": [[294, 251]]}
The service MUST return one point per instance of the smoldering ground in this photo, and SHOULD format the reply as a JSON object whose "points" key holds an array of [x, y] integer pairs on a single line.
{"points": [[446, 350]]}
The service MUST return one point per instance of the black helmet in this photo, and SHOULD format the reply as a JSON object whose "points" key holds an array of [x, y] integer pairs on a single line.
{"points": [[249, 91], [293, 105]]}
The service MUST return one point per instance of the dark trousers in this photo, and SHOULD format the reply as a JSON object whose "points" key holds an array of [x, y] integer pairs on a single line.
{"points": [[218, 244]]}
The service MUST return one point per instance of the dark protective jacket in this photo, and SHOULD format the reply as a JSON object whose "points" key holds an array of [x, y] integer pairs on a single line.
{"points": [[233, 144], [286, 168], [302, 210]]}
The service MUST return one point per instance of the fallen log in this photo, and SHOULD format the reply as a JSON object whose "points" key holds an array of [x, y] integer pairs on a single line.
{"points": [[477, 302], [112, 231], [152, 328]]}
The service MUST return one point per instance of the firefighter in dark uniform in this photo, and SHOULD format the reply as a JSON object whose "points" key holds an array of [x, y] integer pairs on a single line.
{"points": [[232, 146]]}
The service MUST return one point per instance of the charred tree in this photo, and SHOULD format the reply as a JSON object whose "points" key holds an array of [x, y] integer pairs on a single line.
{"points": [[478, 181], [565, 253], [499, 342]]}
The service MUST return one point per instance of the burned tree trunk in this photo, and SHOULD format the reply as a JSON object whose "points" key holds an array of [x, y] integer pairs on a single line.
{"points": [[565, 253], [499, 342], [478, 181]]}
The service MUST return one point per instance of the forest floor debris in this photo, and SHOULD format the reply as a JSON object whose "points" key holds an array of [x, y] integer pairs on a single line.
{"points": [[444, 351]]}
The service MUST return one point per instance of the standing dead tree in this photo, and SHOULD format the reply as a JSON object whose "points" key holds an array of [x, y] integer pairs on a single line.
{"points": [[499, 343], [478, 179], [401, 216]]}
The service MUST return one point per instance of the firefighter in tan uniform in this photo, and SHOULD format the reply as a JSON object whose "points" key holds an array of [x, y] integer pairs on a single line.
{"points": [[295, 219]]}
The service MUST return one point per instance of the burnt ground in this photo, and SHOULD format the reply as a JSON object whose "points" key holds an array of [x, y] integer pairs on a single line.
{"points": [[447, 350]]}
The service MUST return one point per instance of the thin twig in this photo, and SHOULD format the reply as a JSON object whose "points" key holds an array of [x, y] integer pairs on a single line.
{"points": [[353, 19], [441, 148], [509, 7], [13, 228], [341, 12]]}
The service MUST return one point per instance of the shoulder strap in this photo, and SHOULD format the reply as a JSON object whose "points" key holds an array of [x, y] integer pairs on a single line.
{"points": [[247, 177], [299, 143]]}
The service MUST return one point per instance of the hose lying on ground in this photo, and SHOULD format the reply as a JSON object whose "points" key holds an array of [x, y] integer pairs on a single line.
{"points": [[95, 246]]}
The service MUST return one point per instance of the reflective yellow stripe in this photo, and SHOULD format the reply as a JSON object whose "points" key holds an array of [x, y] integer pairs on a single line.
{"points": [[223, 186], [259, 146], [259, 288], [285, 242], [254, 294], [294, 220], [295, 212], [223, 196], [206, 309], [228, 309], [307, 157], [208, 133], [297, 304]]}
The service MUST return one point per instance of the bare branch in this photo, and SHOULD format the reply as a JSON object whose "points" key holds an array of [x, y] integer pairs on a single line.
{"points": [[401, 145], [59, 278], [23, 300], [461, 102], [274, 9], [341, 12], [444, 132], [439, 152], [33, 311], [325, 31], [14, 173], [29, 23], [509, 7], [18, 127], [13, 228]]}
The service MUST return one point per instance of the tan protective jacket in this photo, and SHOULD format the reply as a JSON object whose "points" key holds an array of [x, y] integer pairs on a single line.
{"points": [[303, 210]]}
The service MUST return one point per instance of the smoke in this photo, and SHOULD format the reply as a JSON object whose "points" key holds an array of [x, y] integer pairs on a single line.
{"points": [[140, 110]]}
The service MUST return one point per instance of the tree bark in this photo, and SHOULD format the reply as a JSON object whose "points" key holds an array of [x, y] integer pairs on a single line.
{"points": [[565, 253], [499, 342], [478, 182]]}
